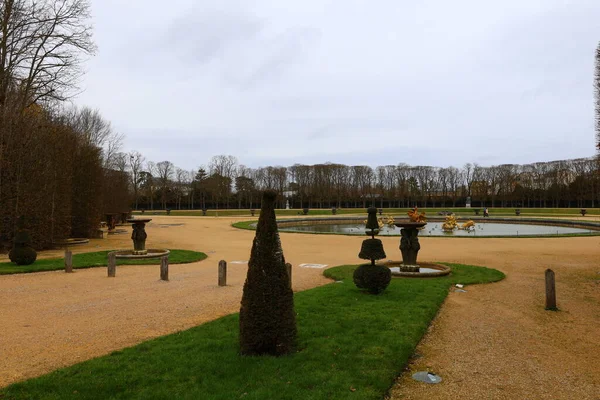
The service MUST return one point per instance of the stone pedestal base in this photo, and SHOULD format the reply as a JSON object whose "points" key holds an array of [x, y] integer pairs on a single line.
{"points": [[140, 252]]}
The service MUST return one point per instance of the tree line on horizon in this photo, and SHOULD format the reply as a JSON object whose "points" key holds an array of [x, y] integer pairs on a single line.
{"points": [[225, 183]]}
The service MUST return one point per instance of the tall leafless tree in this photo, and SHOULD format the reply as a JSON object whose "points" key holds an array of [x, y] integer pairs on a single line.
{"points": [[97, 132], [136, 162], [42, 47], [165, 171]]}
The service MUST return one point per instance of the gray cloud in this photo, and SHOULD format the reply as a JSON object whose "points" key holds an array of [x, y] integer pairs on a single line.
{"points": [[199, 36], [436, 82]]}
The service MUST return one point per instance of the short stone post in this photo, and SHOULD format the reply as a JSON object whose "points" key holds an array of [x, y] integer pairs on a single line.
{"points": [[550, 291], [288, 267], [112, 264], [164, 268], [222, 273], [68, 261]]}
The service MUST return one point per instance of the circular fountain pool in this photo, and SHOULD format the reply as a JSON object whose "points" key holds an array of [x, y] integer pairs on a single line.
{"points": [[483, 227]]}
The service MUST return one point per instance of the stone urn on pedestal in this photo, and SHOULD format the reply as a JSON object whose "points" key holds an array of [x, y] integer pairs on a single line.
{"points": [[409, 242], [139, 235]]}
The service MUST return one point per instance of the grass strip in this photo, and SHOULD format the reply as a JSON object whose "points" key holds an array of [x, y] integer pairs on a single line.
{"points": [[96, 259], [351, 345]]}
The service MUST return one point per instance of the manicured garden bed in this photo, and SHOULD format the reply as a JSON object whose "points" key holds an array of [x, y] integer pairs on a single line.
{"points": [[96, 259], [350, 345]]}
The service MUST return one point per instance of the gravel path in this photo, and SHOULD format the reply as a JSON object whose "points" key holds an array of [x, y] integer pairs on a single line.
{"points": [[495, 341]]}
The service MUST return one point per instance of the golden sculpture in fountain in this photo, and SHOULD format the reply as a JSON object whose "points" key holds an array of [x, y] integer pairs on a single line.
{"points": [[468, 225], [389, 221], [451, 224], [416, 216]]}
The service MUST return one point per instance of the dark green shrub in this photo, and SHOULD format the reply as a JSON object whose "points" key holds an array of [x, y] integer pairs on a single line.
{"points": [[374, 278], [305, 211], [359, 276], [267, 316], [22, 255]]}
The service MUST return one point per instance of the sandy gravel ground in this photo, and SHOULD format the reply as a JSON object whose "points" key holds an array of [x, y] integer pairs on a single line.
{"points": [[495, 341]]}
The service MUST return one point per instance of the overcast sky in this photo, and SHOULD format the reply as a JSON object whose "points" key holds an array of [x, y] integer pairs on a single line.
{"points": [[357, 82]]}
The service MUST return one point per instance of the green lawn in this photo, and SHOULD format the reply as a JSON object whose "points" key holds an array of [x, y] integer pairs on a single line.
{"points": [[351, 345], [96, 259]]}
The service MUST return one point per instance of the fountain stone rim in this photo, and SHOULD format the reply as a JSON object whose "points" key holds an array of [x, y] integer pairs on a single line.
{"points": [[151, 253], [139, 220], [443, 270]]}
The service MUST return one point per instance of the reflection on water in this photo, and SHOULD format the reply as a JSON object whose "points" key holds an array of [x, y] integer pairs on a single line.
{"points": [[435, 229]]}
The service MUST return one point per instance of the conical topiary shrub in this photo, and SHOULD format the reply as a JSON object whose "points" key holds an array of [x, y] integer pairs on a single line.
{"points": [[267, 316]]}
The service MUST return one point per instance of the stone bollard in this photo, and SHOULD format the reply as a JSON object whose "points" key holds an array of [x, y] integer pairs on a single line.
{"points": [[222, 273], [550, 291], [112, 264], [288, 267], [164, 268], [68, 261]]}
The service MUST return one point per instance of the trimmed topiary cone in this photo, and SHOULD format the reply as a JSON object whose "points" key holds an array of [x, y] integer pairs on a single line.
{"points": [[267, 316], [22, 253], [372, 223], [372, 249]]}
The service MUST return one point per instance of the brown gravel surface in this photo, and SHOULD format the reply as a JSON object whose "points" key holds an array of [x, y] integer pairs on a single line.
{"points": [[495, 341]]}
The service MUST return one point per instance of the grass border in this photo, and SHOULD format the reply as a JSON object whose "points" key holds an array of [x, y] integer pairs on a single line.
{"points": [[96, 259]]}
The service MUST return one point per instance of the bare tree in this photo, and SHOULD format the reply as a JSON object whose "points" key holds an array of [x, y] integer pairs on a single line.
{"points": [[182, 187], [97, 132], [165, 170], [468, 176], [149, 181], [42, 47], [136, 162], [222, 169], [455, 178]]}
